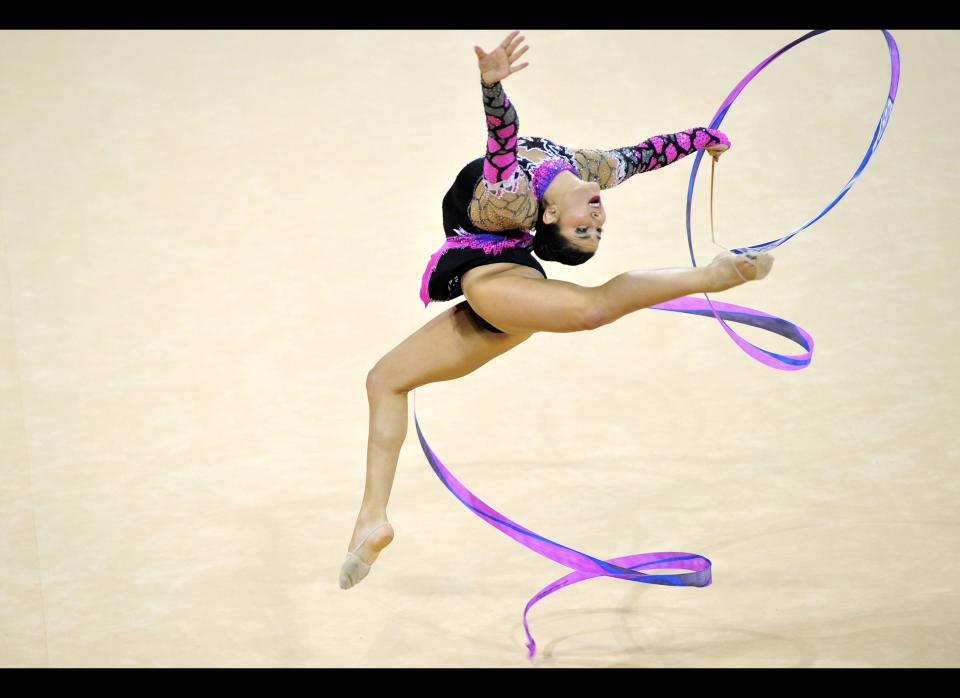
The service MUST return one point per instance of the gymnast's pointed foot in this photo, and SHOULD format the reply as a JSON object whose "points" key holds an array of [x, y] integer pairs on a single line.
{"points": [[728, 269], [365, 546]]}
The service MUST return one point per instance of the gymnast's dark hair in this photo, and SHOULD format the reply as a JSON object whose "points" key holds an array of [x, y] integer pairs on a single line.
{"points": [[550, 246]]}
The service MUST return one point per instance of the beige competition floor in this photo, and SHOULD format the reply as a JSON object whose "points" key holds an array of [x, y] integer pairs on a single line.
{"points": [[208, 239]]}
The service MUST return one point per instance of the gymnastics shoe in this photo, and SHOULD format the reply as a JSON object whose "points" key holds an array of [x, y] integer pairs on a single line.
{"points": [[762, 263], [722, 279], [354, 568]]}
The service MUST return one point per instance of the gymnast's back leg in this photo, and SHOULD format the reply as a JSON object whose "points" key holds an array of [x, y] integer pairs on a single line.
{"points": [[449, 346]]}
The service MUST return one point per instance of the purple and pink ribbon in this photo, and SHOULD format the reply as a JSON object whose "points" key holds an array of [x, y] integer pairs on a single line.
{"points": [[633, 567]]}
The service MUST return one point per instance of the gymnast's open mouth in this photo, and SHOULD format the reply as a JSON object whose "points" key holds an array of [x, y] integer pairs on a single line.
{"points": [[595, 200]]}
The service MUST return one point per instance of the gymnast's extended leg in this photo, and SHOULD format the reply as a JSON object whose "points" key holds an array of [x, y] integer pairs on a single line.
{"points": [[449, 346], [516, 300]]}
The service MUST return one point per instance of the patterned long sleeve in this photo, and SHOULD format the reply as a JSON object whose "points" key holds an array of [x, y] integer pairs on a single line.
{"points": [[612, 167], [503, 199], [500, 163]]}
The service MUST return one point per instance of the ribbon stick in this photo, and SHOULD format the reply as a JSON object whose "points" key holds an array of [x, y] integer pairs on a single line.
{"points": [[629, 567]]}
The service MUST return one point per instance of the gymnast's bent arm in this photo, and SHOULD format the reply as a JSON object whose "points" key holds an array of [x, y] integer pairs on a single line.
{"points": [[608, 168]]}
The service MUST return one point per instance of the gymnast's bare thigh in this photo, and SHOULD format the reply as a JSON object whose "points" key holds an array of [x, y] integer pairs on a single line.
{"points": [[518, 299], [487, 271], [450, 345]]}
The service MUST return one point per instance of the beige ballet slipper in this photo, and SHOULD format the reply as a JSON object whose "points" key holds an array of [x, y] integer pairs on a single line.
{"points": [[354, 569], [762, 262]]}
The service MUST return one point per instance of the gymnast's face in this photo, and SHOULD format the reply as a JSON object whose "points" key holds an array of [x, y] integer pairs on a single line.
{"points": [[580, 214]]}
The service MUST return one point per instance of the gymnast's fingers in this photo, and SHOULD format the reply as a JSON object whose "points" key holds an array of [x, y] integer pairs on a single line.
{"points": [[515, 56], [506, 42], [519, 67], [515, 43]]}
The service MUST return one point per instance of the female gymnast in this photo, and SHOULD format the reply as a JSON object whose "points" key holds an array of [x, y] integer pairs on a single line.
{"points": [[522, 182]]}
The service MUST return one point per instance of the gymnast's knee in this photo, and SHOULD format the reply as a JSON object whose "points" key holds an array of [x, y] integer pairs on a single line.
{"points": [[595, 314], [380, 381]]}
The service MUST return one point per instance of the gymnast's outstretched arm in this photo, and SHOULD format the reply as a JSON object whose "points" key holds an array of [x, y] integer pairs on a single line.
{"points": [[608, 168]]}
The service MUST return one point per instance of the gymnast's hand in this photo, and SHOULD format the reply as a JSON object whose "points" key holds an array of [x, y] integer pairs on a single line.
{"points": [[716, 150], [497, 64]]}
